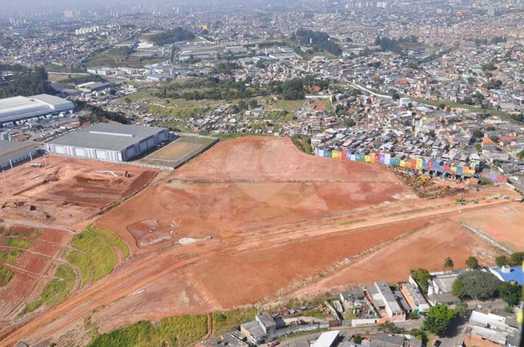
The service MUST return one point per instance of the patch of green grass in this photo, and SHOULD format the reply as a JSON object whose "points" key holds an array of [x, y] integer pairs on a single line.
{"points": [[182, 108], [284, 105], [470, 108], [10, 256], [178, 331], [94, 253], [314, 312], [56, 290], [18, 246], [349, 315], [224, 321], [5, 276], [18, 243], [303, 143], [120, 56]]}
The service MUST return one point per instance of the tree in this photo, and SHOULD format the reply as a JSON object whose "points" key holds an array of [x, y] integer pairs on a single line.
{"points": [[349, 123], [510, 293], [516, 259], [261, 64], [171, 36], [448, 264], [422, 277], [501, 261], [317, 40], [478, 133], [476, 285], [27, 82], [462, 309], [357, 339], [293, 89], [389, 327], [419, 335], [438, 319], [242, 105], [472, 263]]}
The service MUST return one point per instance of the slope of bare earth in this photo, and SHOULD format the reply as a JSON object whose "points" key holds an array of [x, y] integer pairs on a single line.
{"points": [[503, 223], [256, 219], [427, 248]]}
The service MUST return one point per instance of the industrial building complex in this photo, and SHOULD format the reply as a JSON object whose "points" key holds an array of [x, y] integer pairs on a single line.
{"points": [[21, 108], [13, 153], [109, 142]]}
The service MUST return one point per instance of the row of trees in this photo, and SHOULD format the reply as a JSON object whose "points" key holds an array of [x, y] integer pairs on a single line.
{"points": [[473, 284], [394, 45], [171, 36], [481, 285], [97, 114], [215, 89], [318, 40], [518, 117], [27, 82], [514, 259]]}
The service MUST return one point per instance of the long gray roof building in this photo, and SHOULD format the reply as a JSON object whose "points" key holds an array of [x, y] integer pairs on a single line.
{"points": [[12, 153], [20, 107], [108, 141]]}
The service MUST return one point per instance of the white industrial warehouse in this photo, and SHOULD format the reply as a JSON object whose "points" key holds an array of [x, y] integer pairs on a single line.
{"points": [[14, 153], [108, 142], [21, 108]]}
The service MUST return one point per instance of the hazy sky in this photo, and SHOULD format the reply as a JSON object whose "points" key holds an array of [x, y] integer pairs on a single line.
{"points": [[55, 5], [38, 6]]}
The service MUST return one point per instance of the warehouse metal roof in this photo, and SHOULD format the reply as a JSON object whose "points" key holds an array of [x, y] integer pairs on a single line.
{"points": [[13, 150], [108, 136], [21, 107]]}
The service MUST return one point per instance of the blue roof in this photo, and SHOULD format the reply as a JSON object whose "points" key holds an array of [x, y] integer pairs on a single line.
{"points": [[516, 274]]}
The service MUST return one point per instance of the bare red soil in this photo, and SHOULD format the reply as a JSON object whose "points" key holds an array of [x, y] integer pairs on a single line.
{"points": [[503, 224], [64, 191], [266, 221], [427, 248]]}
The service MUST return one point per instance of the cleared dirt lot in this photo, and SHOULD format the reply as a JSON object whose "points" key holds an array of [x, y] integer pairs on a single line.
{"points": [[179, 151], [263, 183], [266, 221], [427, 248], [259, 159], [504, 223], [63, 191]]}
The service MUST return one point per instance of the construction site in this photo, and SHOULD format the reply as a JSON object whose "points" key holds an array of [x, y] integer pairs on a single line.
{"points": [[60, 191], [250, 221]]}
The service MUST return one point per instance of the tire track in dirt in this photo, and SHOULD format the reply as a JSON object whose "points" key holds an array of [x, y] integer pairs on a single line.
{"points": [[119, 284]]}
